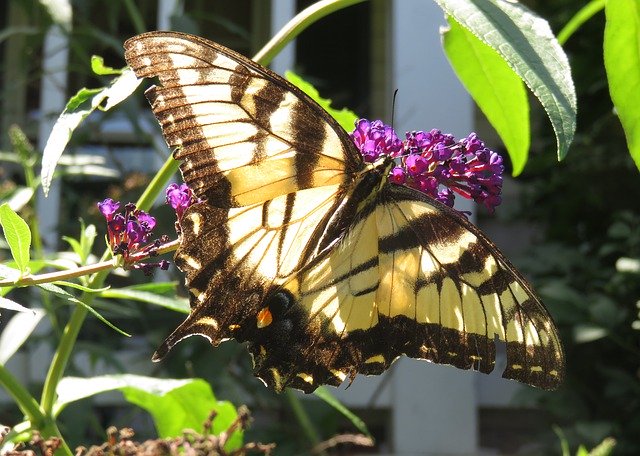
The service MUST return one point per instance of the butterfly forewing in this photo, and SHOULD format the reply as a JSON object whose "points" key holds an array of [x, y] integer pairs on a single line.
{"points": [[244, 134]]}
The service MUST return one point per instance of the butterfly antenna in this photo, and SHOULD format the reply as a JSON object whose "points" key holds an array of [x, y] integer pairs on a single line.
{"points": [[393, 108]]}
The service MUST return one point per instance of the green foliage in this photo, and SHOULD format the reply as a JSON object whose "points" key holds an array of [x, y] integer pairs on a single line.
{"points": [[622, 61], [526, 43], [18, 236], [345, 117], [175, 405], [494, 86]]}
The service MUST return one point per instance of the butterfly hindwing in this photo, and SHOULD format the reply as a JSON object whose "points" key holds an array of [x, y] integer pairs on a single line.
{"points": [[432, 287], [243, 133]]}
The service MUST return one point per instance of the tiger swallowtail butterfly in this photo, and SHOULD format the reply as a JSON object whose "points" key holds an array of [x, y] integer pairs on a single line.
{"points": [[309, 254]]}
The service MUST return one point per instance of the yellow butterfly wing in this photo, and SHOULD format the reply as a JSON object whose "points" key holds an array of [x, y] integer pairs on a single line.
{"points": [[244, 134]]}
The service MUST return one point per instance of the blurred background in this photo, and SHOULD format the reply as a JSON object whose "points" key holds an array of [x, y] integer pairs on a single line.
{"points": [[571, 227]]}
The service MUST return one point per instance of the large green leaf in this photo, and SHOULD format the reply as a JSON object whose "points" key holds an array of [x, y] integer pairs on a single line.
{"points": [[175, 405], [622, 62], [526, 43], [494, 86]]}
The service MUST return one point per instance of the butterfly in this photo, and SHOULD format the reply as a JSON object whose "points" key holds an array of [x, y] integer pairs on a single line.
{"points": [[310, 255]]}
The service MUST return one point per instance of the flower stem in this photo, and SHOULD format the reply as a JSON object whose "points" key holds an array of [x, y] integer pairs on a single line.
{"points": [[84, 270], [296, 25], [157, 184]]}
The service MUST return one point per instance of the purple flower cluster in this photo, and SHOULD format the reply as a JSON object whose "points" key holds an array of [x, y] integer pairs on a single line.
{"points": [[374, 139], [128, 232], [435, 163]]}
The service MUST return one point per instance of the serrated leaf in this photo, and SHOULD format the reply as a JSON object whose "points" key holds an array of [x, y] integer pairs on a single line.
{"points": [[622, 62], [17, 331], [526, 43], [99, 68], [326, 396], [172, 303], [174, 404], [119, 89], [345, 117], [494, 86], [18, 236]]}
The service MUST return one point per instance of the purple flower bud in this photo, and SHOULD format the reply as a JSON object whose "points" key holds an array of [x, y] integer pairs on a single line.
{"points": [[398, 175], [415, 164], [108, 207], [179, 197], [147, 222]]}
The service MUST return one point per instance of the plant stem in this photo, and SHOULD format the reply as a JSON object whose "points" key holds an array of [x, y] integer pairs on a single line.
{"points": [[25, 401], [65, 347], [296, 25], [157, 184], [83, 270]]}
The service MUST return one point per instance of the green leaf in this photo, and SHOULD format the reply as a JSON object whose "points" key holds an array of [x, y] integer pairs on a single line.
{"points": [[12, 305], [18, 236], [526, 43], [175, 405], [17, 330], [582, 451], [326, 396], [345, 117], [119, 89], [494, 86], [99, 68], [604, 448], [172, 303], [622, 62], [583, 15], [51, 288]]}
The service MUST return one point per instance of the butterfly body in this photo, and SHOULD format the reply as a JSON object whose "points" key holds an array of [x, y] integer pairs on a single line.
{"points": [[310, 255]]}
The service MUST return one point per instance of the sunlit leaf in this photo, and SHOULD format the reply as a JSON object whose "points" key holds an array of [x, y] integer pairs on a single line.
{"points": [[172, 303], [175, 405], [526, 43], [18, 236], [494, 86], [121, 87], [622, 62], [99, 68]]}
